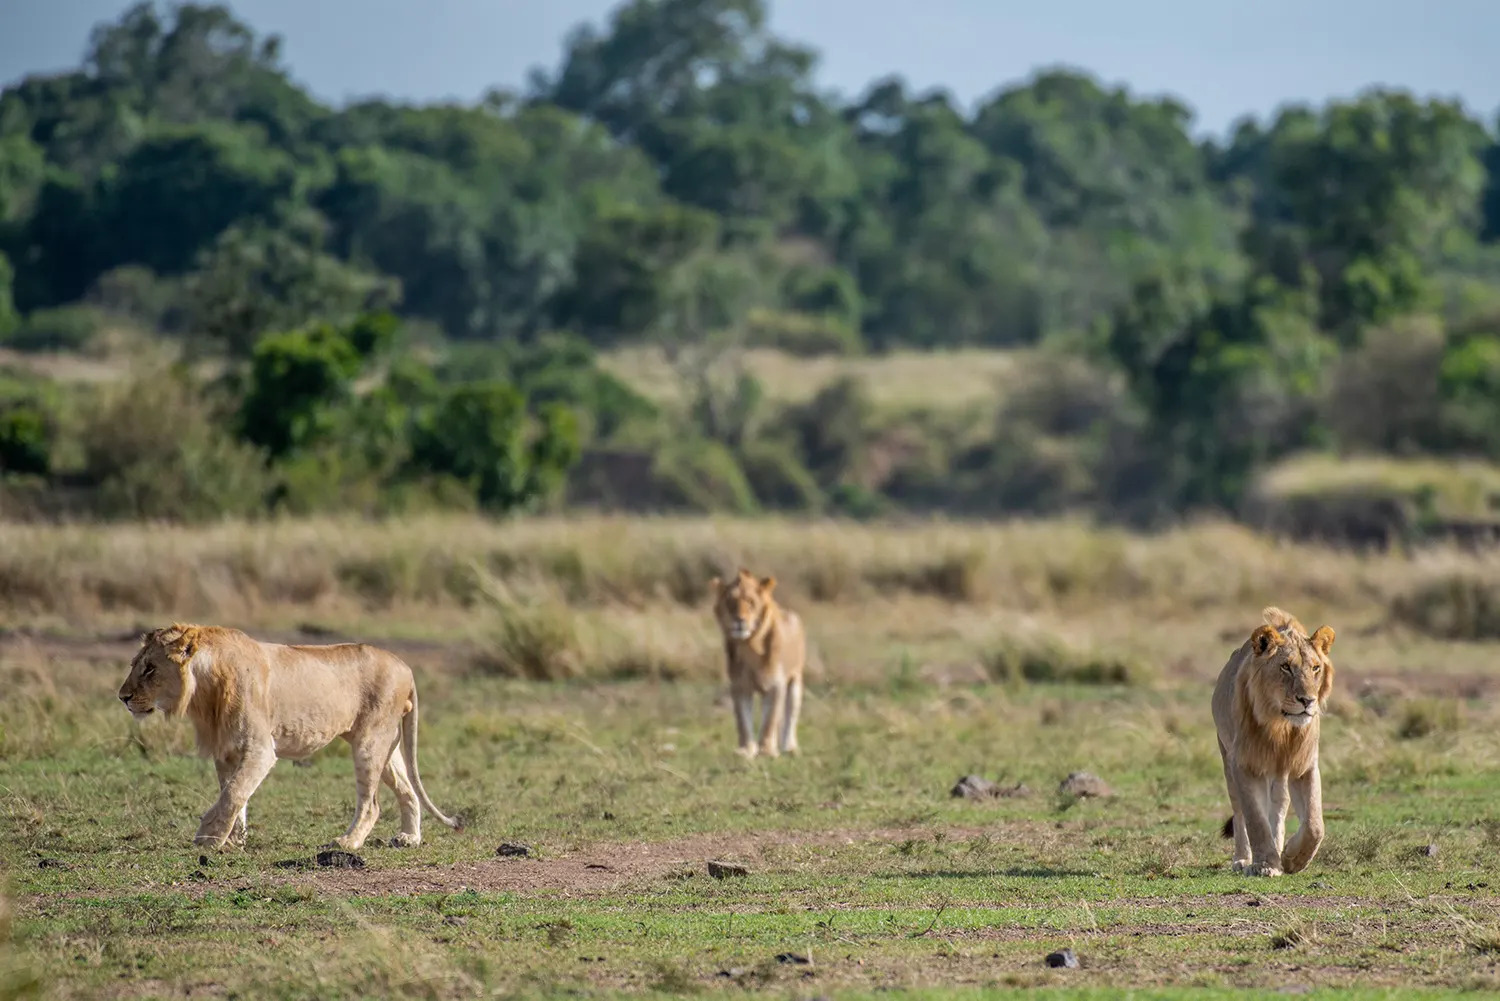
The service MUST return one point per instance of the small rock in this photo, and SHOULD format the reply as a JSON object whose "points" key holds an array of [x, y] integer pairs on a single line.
{"points": [[1318, 884], [1431, 851], [973, 787], [977, 787], [793, 958], [1084, 785], [1252, 903], [508, 850], [1064, 960], [203, 860], [335, 859], [734, 972], [723, 870], [598, 865], [608, 815], [52, 863], [290, 863], [199, 875]]}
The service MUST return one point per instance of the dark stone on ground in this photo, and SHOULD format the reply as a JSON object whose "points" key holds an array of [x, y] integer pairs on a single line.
{"points": [[1064, 960], [1085, 785], [508, 850], [978, 787], [336, 859], [723, 870]]}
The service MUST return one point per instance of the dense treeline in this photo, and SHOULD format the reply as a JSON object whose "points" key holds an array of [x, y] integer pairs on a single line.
{"points": [[383, 305]]}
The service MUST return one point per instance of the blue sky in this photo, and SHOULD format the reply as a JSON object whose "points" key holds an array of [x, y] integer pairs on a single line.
{"points": [[1223, 58]]}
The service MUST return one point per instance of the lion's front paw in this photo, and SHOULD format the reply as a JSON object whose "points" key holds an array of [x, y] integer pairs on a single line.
{"points": [[791, 749], [1239, 865], [404, 840], [769, 751], [1262, 869], [748, 751]]}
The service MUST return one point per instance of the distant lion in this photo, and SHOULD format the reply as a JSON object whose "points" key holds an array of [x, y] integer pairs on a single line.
{"points": [[1267, 708], [765, 651], [251, 703]]}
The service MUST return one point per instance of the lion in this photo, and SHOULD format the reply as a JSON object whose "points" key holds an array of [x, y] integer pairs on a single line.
{"points": [[252, 703], [765, 651], [1267, 708]]}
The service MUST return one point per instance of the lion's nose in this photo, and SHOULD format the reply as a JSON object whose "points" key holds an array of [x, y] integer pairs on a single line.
{"points": [[124, 698], [1307, 700]]}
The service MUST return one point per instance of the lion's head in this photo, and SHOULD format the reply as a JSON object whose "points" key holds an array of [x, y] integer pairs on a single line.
{"points": [[741, 606], [159, 674], [1290, 675]]}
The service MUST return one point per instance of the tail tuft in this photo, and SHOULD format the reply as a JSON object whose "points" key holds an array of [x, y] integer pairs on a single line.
{"points": [[1227, 831]]}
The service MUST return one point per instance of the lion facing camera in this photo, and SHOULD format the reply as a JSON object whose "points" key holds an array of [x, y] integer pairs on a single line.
{"points": [[1268, 707]]}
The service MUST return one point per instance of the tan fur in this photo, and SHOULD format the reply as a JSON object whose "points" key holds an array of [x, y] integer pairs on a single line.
{"points": [[251, 703], [765, 651], [1279, 678]]}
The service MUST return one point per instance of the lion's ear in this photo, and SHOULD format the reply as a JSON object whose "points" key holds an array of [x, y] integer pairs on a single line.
{"points": [[1323, 639], [768, 584], [1264, 640], [716, 587]]}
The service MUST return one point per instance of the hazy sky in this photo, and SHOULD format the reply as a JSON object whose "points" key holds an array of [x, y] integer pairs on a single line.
{"points": [[1222, 57]]}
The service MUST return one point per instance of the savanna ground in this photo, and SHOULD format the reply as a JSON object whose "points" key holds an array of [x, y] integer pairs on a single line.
{"points": [[571, 698]]}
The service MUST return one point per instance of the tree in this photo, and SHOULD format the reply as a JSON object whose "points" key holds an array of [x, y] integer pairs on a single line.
{"points": [[254, 279], [296, 381], [483, 435]]}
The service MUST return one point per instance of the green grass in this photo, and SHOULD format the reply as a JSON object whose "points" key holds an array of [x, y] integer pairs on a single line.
{"points": [[858, 857], [1019, 652]]}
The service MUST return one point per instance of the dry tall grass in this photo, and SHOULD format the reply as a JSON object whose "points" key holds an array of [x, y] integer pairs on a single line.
{"points": [[239, 570]]}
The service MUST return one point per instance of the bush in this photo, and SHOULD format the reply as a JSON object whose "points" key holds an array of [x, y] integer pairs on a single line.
{"points": [[66, 328], [803, 335], [1050, 660], [700, 475], [1454, 606], [154, 448], [1383, 395], [25, 445], [779, 479]]}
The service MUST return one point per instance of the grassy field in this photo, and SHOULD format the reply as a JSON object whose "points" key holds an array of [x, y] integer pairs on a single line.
{"points": [[571, 703]]}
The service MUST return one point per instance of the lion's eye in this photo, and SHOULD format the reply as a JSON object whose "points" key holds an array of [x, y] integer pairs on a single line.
{"points": [[149, 671], [1286, 669]]}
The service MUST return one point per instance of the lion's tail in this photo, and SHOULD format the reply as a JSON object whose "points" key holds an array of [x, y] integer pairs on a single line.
{"points": [[1227, 831], [409, 751]]}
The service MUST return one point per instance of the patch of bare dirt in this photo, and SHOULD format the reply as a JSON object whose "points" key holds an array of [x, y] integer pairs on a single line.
{"points": [[595, 869]]}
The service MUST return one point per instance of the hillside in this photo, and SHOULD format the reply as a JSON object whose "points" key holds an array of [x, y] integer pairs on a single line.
{"points": [[676, 259]]}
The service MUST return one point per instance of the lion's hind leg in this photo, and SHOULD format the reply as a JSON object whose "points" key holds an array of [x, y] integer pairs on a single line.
{"points": [[372, 752], [406, 798]]}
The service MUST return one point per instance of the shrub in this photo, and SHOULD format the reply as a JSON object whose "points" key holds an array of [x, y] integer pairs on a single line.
{"points": [[1454, 606], [1050, 660], [779, 478], [154, 448], [802, 335], [65, 328], [25, 445], [701, 475]]}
